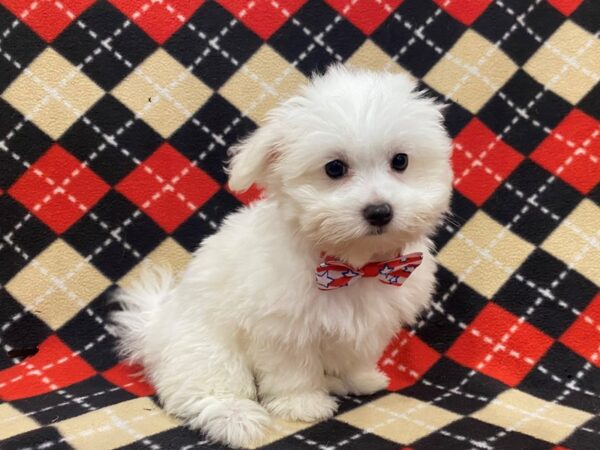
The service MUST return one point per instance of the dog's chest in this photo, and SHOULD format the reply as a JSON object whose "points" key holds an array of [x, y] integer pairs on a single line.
{"points": [[355, 311]]}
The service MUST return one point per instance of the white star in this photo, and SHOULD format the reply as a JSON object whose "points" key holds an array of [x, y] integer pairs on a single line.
{"points": [[323, 279], [397, 280], [350, 273], [386, 270]]}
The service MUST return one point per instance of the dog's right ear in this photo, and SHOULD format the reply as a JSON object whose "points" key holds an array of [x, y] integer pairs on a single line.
{"points": [[251, 159]]}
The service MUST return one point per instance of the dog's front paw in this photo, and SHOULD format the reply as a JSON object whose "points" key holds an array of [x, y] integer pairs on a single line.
{"points": [[366, 382], [236, 422], [306, 407]]}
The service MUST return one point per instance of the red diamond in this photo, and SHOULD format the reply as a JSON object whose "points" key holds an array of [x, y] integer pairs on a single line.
{"points": [[159, 20], [405, 359], [583, 337], [47, 18], [129, 377], [475, 180], [467, 11], [572, 151], [58, 189], [54, 367], [366, 15], [565, 6], [168, 187], [264, 17], [524, 346]]}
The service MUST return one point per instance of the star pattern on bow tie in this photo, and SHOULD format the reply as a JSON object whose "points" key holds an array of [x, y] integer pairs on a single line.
{"points": [[386, 270], [333, 274], [323, 279]]}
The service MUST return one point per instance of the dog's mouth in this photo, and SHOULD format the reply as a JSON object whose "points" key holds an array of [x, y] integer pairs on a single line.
{"points": [[376, 231]]}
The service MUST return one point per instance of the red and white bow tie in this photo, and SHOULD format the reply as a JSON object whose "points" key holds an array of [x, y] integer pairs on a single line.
{"points": [[333, 274]]}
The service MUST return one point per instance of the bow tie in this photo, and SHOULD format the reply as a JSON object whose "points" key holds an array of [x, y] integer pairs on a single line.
{"points": [[332, 273]]}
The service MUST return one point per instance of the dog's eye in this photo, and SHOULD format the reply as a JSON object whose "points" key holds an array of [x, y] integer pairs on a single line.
{"points": [[400, 162], [336, 169]]}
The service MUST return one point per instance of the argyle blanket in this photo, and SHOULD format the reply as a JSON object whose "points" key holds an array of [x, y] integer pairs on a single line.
{"points": [[115, 120]]}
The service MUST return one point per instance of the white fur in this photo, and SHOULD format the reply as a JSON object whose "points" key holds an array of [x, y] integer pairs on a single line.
{"points": [[246, 333]]}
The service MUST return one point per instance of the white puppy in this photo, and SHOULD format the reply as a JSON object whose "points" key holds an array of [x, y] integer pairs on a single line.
{"points": [[355, 167]]}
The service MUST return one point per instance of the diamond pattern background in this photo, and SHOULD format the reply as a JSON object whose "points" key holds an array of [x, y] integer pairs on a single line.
{"points": [[115, 120]]}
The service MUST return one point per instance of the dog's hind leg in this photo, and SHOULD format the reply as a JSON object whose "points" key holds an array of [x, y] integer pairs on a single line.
{"points": [[213, 391]]}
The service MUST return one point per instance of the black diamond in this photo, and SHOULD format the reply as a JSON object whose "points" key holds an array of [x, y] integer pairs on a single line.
{"points": [[429, 40], [555, 375], [461, 210], [107, 67], [330, 433], [459, 301], [213, 43], [587, 15], [585, 437], [476, 389], [26, 332], [38, 438], [539, 212], [175, 438], [207, 136], [595, 195], [472, 433], [498, 24], [590, 104], [546, 314], [125, 142], [75, 400], [517, 6], [87, 332], [456, 118], [576, 290], [115, 235], [22, 143], [18, 42], [28, 233], [329, 39], [549, 109], [206, 221]]}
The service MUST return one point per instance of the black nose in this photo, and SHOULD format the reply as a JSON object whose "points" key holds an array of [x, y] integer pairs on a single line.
{"points": [[378, 215]]}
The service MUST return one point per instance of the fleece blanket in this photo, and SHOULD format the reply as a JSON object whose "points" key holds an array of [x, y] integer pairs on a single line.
{"points": [[115, 120]]}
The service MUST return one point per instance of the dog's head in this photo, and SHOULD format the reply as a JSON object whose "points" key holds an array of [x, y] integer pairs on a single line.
{"points": [[358, 159]]}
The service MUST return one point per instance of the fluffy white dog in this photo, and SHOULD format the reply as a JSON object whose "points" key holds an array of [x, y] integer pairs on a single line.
{"points": [[297, 295]]}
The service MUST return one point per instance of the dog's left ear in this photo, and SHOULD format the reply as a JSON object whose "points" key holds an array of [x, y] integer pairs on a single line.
{"points": [[251, 159]]}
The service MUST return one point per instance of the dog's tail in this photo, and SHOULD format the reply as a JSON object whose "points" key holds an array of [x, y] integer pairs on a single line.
{"points": [[140, 303]]}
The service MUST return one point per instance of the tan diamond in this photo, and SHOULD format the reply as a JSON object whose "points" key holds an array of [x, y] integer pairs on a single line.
{"points": [[576, 244], [279, 429], [168, 254], [453, 76], [370, 56], [13, 422], [516, 410], [568, 63], [117, 425], [399, 418], [57, 284], [261, 83], [52, 93], [162, 92], [484, 254]]}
